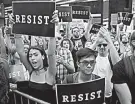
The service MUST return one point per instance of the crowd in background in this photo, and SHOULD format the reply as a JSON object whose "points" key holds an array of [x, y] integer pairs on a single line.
{"points": [[45, 61]]}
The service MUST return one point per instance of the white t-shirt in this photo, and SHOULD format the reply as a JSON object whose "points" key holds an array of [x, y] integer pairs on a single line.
{"points": [[103, 69]]}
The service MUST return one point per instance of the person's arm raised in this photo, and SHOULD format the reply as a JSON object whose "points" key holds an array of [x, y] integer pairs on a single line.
{"points": [[51, 52], [20, 51], [89, 25], [113, 52]]}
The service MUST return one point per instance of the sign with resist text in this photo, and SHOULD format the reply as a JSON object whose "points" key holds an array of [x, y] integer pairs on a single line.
{"points": [[95, 28], [82, 93], [80, 12], [33, 18], [124, 17], [64, 13]]}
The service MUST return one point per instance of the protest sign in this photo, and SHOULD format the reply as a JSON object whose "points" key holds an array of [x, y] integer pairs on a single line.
{"points": [[95, 28], [33, 18], [128, 19], [120, 17], [64, 13], [81, 93], [124, 17], [80, 12]]}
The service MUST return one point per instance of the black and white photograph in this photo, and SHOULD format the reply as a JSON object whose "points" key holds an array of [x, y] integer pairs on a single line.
{"points": [[67, 51]]}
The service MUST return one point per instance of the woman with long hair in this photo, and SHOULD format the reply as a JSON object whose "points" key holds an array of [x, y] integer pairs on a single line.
{"points": [[41, 67]]}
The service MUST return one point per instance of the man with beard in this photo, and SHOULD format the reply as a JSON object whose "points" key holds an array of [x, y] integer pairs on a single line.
{"points": [[78, 41]]}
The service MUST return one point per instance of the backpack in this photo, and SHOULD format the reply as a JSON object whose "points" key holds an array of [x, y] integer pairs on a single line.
{"points": [[4, 85]]}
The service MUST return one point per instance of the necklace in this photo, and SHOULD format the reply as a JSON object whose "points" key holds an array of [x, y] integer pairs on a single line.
{"points": [[38, 72]]}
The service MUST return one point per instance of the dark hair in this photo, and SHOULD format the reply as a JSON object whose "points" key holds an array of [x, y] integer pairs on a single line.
{"points": [[85, 52], [70, 43], [74, 28], [45, 62], [132, 37]]}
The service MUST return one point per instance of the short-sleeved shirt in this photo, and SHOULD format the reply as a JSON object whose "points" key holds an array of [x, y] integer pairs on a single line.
{"points": [[73, 78], [121, 76], [79, 41]]}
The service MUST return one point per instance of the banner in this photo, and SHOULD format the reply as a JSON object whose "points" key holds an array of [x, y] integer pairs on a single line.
{"points": [[81, 93], [65, 13], [33, 18], [80, 12], [124, 17], [95, 28]]}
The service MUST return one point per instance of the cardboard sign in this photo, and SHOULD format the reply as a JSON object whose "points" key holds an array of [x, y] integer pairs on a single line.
{"points": [[95, 28], [124, 17], [64, 13], [33, 18], [83, 93], [80, 12]]}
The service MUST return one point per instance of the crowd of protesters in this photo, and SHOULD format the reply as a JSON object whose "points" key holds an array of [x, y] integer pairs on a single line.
{"points": [[72, 56]]}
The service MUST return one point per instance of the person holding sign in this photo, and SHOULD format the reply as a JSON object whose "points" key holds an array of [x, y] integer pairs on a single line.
{"points": [[86, 59], [42, 71]]}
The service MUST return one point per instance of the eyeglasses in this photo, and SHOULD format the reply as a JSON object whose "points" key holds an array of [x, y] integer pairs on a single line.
{"points": [[124, 42], [102, 44], [86, 63], [59, 38]]}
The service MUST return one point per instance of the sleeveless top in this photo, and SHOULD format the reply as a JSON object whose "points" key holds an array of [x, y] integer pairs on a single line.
{"points": [[42, 91]]}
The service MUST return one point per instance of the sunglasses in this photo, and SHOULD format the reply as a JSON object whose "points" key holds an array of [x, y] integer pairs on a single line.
{"points": [[59, 38], [124, 42], [102, 44]]}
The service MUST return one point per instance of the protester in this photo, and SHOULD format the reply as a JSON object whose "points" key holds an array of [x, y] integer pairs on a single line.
{"points": [[107, 57], [42, 71], [124, 77], [65, 63], [4, 85], [86, 59], [79, 42], [117, 46], [67, 44]]}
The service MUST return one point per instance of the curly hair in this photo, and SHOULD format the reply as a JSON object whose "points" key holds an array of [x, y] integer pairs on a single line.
{"points": [[70, 43]]}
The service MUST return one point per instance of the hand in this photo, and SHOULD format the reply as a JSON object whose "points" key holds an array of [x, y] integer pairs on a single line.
{"points": [[121, 25], [55, 18], [11, 18], [13, 86], [60, 59], [90, 16], [104, 33]]}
